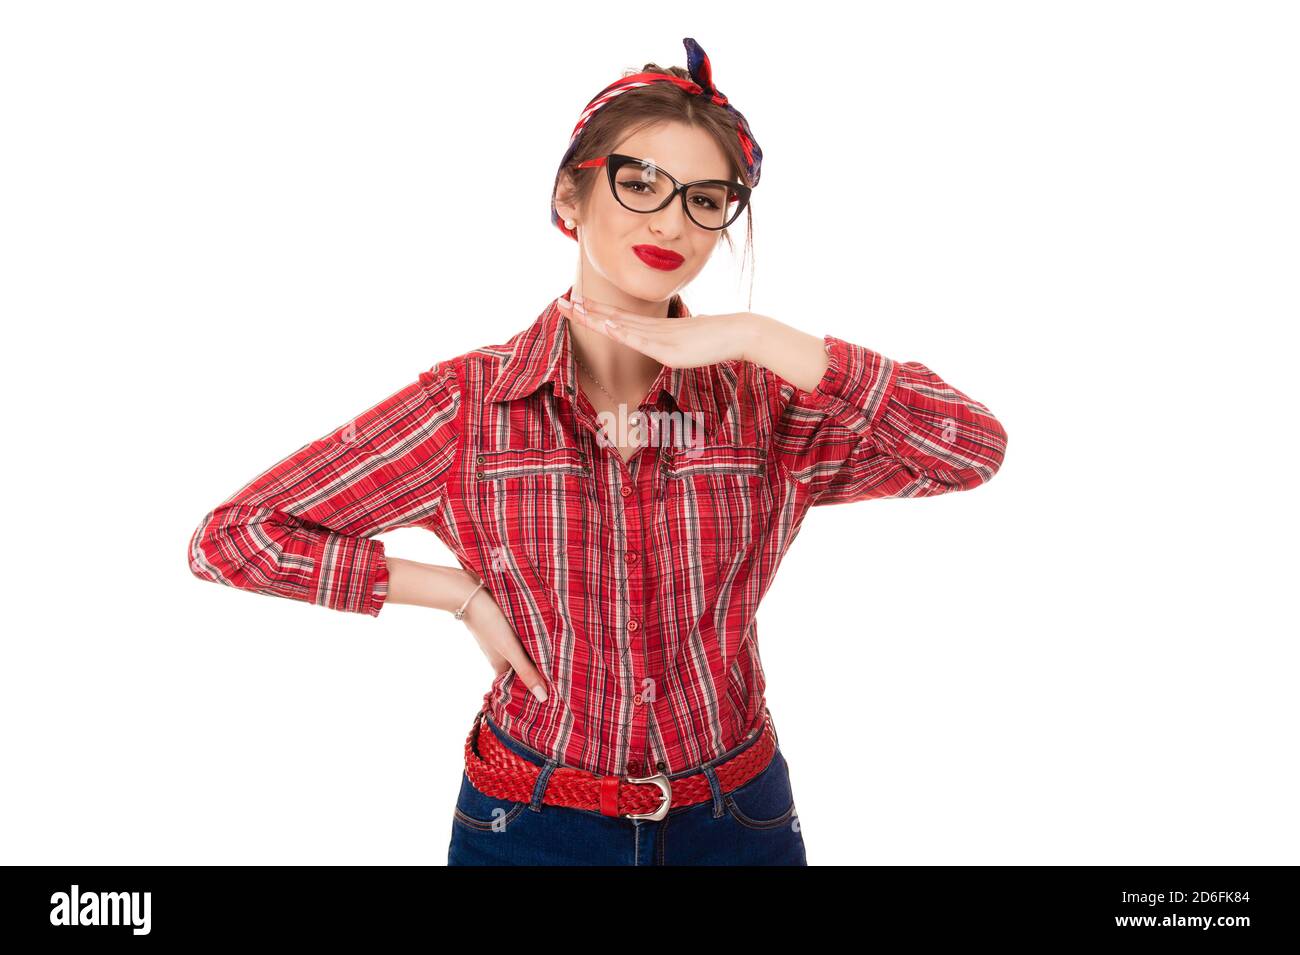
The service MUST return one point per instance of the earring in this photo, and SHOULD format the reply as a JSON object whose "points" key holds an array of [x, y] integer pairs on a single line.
{"points": [[569, 224]]}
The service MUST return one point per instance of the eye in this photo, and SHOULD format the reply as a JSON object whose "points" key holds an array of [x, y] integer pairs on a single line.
{"points": [[636, 186], [707, 203]]}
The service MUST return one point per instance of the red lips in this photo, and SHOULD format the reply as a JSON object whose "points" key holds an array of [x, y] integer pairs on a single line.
{"points": [[657, 258]]}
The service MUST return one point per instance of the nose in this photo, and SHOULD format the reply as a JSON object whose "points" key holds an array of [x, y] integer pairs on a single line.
{"points": [[671, 220]]}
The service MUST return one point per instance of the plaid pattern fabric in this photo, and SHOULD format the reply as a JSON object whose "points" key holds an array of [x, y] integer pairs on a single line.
{"points": [[633, 587]]}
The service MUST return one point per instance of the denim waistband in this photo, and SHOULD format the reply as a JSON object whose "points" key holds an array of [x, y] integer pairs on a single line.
{"points": [[540, 759]]}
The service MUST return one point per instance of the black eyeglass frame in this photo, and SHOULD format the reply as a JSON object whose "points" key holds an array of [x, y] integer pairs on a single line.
{"points": [[738, 192]]}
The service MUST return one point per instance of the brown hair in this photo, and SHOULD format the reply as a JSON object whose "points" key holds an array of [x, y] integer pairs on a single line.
{"points": [[647, 106]]}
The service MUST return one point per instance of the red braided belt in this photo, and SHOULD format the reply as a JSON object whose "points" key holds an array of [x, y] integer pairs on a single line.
{"points": [[497, 771]]}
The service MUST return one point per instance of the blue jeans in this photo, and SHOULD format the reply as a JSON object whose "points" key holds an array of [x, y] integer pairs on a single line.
{"points": [[754, 824]]}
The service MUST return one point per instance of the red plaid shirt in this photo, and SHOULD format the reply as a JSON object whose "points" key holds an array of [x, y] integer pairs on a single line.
{"points": [[633, 587]]}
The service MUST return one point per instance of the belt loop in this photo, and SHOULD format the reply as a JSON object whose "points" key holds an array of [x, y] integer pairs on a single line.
{"points": [[716, 787], [540, 789]]}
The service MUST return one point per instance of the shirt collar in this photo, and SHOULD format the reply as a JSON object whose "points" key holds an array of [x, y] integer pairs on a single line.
{"points": [[543, 354]]}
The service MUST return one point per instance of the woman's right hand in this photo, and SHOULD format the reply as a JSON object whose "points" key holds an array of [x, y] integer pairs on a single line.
{"points": [[497, 639]]}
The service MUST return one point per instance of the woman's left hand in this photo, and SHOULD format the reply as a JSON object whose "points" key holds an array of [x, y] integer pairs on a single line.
{"points": [[677, 342]]}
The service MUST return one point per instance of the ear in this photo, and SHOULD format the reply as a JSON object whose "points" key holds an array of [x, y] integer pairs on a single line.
{"points": [[564, 189]]}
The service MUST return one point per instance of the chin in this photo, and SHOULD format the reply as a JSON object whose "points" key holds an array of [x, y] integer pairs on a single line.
{"points": [[647, 288]]}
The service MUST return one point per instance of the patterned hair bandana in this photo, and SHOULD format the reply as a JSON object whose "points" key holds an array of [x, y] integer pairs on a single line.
{"points": [[700, 84]]}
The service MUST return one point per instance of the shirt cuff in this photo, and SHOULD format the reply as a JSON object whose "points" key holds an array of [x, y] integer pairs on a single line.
{"points": [[857, 385], [379, 582], [351, 574]]}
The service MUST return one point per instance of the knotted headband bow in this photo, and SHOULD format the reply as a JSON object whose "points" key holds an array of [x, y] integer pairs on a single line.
{"points": [[700, 84]]}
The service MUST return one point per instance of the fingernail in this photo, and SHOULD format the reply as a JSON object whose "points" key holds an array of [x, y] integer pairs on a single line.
{"points": [[578, 306], [540, 693], [564, 302]]}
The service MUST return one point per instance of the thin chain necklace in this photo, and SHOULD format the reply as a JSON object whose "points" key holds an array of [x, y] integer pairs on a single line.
{"points": [[594, 378], [598, 385], [583, 363]]}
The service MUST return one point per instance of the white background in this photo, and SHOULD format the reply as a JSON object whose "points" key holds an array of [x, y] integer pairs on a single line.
{"points": [[229, 227]]}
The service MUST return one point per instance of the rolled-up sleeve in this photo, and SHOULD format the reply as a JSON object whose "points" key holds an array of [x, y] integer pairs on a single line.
{"points": [[873, 427], [304, 529]]}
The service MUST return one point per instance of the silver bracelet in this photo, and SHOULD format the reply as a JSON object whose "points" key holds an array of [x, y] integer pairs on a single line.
{"points": [[460, 614]]}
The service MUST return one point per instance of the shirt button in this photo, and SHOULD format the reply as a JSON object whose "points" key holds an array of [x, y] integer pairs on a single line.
{"points": [[480, 459], [637, 699], [661, 766], [631, 557], [632, 624], [625, 490]]}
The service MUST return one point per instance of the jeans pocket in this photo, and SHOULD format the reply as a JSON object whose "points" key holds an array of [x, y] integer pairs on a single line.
{"points": [[483, 813], [766, 801]]}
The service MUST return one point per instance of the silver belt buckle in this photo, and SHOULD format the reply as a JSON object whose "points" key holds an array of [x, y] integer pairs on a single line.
{"points": [[660, 780]]}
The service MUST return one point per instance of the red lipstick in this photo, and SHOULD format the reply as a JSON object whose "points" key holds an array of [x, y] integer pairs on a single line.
{"points": [[657, 258]]}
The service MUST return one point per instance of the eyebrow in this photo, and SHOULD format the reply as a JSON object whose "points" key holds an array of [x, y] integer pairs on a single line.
{"points": [[651, 162]]}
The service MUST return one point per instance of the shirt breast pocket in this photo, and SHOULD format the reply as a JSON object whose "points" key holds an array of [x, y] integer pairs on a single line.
{"points": [[717, 501], [535, 507]]}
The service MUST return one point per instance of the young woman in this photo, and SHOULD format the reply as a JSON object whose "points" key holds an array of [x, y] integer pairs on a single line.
{"points": [[619, 482]]}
